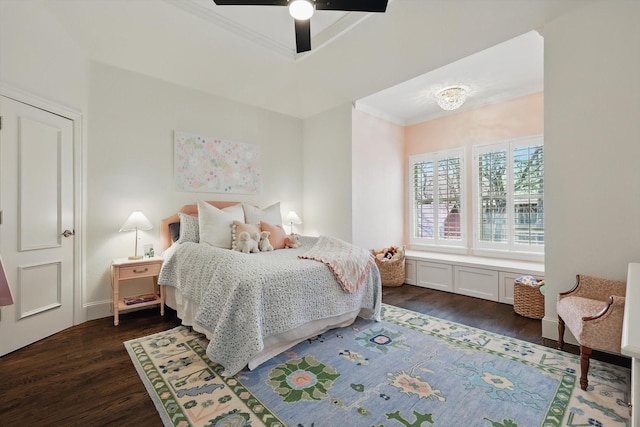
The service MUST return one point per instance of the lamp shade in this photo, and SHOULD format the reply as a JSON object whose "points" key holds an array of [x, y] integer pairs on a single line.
{"points": [[136, 221], [293, 218]]}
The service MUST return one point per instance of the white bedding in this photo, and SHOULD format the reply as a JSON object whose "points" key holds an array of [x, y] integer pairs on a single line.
{"points": [[254, 306]]}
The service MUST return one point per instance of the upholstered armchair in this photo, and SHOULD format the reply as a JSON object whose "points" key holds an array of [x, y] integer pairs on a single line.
{"points": [[593, 311]]}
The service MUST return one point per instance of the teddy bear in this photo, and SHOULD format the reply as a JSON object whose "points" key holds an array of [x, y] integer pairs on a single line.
{"points": [[265, 244], [292, 241], [246, 243]]}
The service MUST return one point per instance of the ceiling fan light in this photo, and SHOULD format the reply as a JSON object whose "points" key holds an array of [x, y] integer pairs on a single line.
{"points": [[301, 9]]}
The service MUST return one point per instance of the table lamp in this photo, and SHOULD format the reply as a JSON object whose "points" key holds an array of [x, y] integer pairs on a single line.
{"points": [[136, 221], [293, 218]]}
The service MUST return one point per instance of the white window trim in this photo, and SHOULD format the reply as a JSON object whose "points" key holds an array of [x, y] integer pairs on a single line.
{"points": [[435, 243], [509, 249]]}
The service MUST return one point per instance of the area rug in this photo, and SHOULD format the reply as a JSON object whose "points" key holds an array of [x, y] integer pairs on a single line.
{"points": [[407, 370]]}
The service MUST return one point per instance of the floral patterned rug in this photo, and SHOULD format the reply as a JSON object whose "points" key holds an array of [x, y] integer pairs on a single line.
{"points": [[408, 370]]}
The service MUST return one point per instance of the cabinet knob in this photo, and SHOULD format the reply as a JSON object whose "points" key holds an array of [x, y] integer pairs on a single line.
{"points": [[141, 271]]}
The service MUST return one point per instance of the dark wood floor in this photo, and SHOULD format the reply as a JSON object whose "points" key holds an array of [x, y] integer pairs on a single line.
{"points": [[83, 376]]}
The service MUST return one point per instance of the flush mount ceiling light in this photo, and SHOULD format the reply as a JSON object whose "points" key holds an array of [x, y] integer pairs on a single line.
{"points": [[452, 97], [301, 9]]}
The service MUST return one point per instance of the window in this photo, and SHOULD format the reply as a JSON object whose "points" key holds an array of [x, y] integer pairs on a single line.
{"points": [[509, 196], [437, 199]]}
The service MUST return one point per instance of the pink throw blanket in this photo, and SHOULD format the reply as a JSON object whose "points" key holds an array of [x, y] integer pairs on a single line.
{"points": [[348, 263]]}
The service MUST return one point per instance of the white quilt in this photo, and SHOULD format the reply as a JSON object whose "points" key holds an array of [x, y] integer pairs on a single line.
{"points": [[244, 298]]}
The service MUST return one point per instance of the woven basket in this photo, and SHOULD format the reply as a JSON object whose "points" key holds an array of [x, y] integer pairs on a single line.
{"points": [[527, 300], [392, 273]]}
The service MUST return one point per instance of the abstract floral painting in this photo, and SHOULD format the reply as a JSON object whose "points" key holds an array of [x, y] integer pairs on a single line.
{"points": [[214, 165]]}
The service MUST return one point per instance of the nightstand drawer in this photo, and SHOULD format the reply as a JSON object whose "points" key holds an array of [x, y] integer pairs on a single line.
{"points": [[144, 270]]}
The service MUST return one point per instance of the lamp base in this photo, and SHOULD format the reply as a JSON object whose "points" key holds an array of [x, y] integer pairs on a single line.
{"points": [[135, 257]]}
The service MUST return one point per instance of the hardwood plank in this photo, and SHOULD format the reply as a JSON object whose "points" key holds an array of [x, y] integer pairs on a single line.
{"points": [[83, 376]]}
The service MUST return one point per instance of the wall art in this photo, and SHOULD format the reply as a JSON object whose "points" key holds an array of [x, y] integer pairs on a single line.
{"points": [[215, 165]]}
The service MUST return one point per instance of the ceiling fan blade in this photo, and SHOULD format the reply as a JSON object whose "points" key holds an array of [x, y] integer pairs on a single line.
{"points": [[352, 5], [303, 35], [251, 2]]}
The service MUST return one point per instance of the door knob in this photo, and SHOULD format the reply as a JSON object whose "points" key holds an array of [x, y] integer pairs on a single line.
{"points": [[68, 233]]}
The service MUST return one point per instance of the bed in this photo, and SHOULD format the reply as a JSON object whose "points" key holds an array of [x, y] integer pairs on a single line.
{"points": [[254, 306]]}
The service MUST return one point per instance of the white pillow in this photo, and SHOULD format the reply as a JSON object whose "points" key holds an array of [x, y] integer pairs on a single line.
{"points": [[236, 211], [215, 225], [270, 214]]}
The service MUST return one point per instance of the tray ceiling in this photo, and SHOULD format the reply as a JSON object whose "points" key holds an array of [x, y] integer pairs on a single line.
{"points": [[246, 54]]}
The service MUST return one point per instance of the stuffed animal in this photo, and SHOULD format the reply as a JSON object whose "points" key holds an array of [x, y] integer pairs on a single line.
{"points": [[265, 244], [246, 243], [292, 241]]}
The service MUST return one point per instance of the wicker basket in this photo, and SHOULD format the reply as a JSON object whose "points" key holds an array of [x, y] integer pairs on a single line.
{"points": [[392, 273], [528, 301]]}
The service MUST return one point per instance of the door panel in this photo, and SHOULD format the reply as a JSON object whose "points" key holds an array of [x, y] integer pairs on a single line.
{"points": [[39, 186], [41, 286], [36, 198]]}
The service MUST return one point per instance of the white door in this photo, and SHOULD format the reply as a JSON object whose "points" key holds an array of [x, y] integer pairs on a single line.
{"points": [[37, 203]]}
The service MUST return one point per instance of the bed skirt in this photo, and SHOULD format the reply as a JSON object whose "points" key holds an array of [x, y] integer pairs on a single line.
{"points": [[274, 344]]}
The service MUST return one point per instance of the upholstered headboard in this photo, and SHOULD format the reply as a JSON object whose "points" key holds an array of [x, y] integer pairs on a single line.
{"points": [[165, 232]]}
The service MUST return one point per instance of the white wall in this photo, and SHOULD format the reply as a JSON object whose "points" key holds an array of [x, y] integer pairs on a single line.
{"points": [[378, 188], [130, 160], [592, 147], [326, 164], [37, 55]]}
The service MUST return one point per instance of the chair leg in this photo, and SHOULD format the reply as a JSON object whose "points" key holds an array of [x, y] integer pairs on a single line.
{"points": [[585, 354], [560, 333]]}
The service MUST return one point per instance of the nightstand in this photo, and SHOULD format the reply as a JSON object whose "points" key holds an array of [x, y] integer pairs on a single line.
{"points": [[123, 269]]}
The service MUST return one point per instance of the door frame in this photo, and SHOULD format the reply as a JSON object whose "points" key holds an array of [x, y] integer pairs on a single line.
{"points": [[79, 208]]}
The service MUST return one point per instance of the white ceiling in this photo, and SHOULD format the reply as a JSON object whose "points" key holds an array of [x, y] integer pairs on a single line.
{"points": [[506, 71], [271, 27], [247, 54]]}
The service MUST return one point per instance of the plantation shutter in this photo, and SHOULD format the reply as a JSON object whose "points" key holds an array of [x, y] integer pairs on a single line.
{"points": [[492, 168], [423, 190], [449, 198], [528, 194], [437, 198], [509, 203]]}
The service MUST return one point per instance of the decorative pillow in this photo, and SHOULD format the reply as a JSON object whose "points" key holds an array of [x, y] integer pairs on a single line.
{"points": [[277, 234], [236, 212], [189, 228], [238, 227], [174, 231], [270, 214], [215, 225]]}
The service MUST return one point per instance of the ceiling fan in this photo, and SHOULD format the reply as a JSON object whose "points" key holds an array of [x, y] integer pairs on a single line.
{"points": [[302, 10]]}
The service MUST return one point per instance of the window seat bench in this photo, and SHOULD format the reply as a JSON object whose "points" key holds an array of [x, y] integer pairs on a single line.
{"points": [[480, 277]]}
